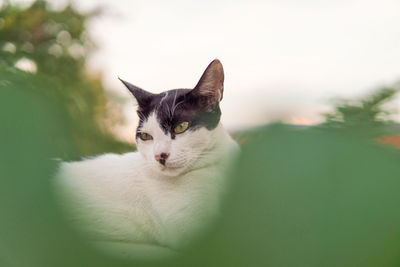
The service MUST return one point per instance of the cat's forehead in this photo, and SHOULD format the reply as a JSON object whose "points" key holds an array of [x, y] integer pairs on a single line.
{"points": [[171, 106], [168, 99]]}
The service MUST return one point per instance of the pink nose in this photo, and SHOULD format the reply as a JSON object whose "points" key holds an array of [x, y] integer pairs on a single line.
{"points": [[162, 157]]}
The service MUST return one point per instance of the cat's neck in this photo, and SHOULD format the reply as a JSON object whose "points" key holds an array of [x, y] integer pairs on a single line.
{"points": [[221, 139]]}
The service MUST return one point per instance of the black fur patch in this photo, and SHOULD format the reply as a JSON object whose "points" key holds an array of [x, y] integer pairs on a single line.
{"points": [[175, 106]]}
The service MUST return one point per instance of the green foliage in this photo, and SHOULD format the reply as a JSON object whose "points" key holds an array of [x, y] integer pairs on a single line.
{"points": [[55, 43], [298, 198], [310, 198], [32, 230], [368, 113]]}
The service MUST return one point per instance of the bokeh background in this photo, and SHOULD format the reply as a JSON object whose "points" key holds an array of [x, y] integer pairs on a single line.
{"points": [[310, 94]]}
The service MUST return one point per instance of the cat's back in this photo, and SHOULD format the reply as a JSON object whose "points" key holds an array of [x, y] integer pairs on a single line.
{"points": [[98, 194], [106, 168], [103, 180]]}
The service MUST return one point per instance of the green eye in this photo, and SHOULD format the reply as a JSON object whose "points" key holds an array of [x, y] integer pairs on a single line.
{"points": [[145, 136], [181, 127]]}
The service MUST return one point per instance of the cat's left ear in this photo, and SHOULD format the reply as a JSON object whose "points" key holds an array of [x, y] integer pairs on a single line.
{"points": [[210, 88], [143, 97]]}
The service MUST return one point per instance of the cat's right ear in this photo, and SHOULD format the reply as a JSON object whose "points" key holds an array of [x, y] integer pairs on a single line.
{"points": [[142, 97], [210, 88]]}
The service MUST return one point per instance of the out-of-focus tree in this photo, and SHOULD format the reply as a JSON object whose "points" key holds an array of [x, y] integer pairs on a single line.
{"points": [[53, 45], [367, 114]]}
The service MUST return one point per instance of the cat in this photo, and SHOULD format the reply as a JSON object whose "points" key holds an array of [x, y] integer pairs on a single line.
{"points": [[169, 192]]}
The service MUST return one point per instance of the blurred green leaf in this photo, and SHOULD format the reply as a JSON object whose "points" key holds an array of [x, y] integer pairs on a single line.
{"points": [[54, 45]]}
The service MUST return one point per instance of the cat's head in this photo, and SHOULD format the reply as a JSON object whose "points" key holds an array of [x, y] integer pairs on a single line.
{"points": [[177, 127]]}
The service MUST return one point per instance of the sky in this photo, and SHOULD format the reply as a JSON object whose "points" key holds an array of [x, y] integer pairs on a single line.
{"points": [[283, 59]]}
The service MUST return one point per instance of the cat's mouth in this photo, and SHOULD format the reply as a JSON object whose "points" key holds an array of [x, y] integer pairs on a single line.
{"points": [[171, 168]]}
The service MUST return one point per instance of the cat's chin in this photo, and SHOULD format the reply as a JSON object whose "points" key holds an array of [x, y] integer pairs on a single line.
{"points": [[170, 171]]}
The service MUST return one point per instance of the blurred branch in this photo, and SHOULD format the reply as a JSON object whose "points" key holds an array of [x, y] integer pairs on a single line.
{"points": [[368, 110]]}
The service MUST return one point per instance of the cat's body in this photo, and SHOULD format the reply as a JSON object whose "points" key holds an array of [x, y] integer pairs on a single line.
{"points": [[168, 192]]}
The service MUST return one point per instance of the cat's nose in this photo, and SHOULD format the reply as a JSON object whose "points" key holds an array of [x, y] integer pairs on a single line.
{"points": [[161, 157]]}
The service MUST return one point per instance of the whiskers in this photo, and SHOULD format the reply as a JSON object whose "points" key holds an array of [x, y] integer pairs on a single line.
{"points": [[195, 159], [142, 117], [186, 160]]}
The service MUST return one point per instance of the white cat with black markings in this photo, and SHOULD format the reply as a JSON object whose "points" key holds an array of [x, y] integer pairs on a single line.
{"points": [[170, 191]]}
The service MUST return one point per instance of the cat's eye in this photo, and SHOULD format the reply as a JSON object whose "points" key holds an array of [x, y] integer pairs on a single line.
{"points": [[145, 136], [181, 127]]}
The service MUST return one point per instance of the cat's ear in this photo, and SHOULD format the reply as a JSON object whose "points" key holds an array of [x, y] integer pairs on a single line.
{"points": [[142, 97], [209, 90]]}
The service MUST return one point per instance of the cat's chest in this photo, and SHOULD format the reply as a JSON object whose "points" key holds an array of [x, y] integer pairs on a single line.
{"points": [[181, 205], [178, 194], [188, 195]]}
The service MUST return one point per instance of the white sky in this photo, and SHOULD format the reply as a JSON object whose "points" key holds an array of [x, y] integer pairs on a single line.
{"points": [[282, 58]]}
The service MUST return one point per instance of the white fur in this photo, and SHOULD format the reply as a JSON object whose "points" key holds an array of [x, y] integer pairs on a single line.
{"points": [[133, 198]]}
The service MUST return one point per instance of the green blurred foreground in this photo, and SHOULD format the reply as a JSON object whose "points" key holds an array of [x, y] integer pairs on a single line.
{"points": [[300, 197]]}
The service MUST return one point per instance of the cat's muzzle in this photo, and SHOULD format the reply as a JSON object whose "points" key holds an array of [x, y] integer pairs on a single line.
{"points": [[162, 158]]}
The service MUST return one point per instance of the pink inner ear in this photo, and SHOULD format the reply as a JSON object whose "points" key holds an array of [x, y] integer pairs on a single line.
{"points": [[211, 83]]}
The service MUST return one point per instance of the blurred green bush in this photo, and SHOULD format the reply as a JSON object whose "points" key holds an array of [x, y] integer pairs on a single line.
{"points": [[310, 197], [52, 47], [367, 116], [298, 198]]}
